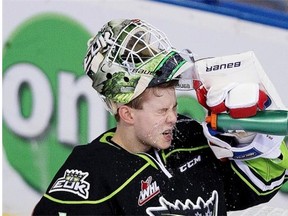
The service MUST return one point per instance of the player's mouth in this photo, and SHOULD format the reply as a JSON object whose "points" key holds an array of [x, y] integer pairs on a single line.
{"points": [[168, 134]]}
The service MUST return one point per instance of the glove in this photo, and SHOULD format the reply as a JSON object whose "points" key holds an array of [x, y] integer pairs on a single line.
{"points": [[242, 145], [240, 100], [235, 84]]}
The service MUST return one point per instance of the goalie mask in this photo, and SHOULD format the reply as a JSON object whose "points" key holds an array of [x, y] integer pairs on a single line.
{"points": [[127, 56]]}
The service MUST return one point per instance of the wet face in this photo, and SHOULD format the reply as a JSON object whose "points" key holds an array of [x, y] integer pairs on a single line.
{"points": [[154, 123]]}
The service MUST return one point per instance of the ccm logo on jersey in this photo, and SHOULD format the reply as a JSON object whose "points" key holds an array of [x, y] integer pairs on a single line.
{"points": [[73, 181], [149, 190], [190, 164]]}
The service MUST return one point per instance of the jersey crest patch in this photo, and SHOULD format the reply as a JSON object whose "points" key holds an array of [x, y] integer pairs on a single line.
{"points": [[149, 190], [209, 208], [73, 181]]}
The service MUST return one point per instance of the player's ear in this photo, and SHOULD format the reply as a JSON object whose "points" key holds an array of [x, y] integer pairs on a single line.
{"points": [[125, 113]]}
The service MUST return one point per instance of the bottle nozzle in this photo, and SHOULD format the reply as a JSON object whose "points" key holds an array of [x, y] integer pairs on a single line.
{"points": [[212, 120]]}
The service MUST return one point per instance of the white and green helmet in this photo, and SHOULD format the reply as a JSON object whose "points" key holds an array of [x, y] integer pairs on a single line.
{"points": [[127, 56]]}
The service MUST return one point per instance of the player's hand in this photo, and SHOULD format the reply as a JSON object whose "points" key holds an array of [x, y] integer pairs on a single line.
{"points": [[240, 100], [242, 145], [236, 84]]}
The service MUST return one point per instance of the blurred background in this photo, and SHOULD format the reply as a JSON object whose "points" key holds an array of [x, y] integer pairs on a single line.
{"points": [[48, 103], [278, 5]]}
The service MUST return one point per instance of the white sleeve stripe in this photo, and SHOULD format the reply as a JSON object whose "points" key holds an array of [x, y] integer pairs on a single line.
{"points": [[256, 181]]}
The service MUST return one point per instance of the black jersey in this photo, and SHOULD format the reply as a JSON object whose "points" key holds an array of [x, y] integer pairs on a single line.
{"points": [[101, 178]]}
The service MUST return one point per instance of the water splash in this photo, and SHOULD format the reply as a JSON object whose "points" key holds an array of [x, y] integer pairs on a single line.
{"points": [[154, 134]]}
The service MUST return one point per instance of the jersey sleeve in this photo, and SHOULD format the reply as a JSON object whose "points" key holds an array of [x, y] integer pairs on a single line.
{"points": [[256, 181]]}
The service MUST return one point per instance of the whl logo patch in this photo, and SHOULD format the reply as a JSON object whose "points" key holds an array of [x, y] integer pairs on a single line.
{"points": [[149, 190], [73, 181]]}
